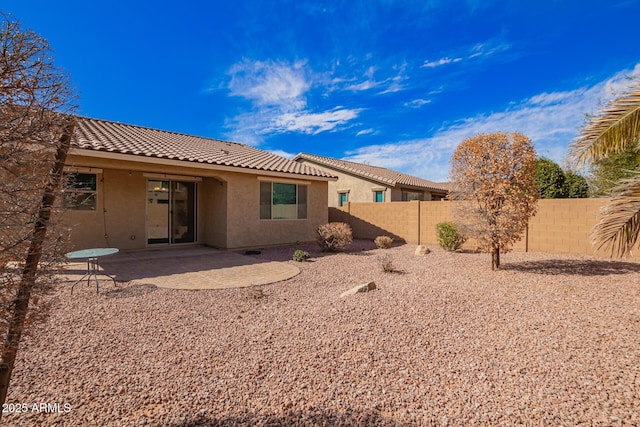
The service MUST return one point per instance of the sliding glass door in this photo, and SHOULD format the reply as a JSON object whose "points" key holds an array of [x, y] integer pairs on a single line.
{"points": [[171, 212]]}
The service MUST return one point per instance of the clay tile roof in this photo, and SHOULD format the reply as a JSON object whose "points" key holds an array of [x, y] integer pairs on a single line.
{"points": [[374, 173], [102, 135]]}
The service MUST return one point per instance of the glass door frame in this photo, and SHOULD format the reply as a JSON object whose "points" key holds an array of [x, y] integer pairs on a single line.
{"points": [[170, 218]]}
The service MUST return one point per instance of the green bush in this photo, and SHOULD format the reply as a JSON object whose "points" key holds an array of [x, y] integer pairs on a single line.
{"points": [[301, 256], [448, 236], [383, 242], [334, 236]]}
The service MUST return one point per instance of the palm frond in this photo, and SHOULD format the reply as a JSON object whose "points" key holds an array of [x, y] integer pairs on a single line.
{"points": [[611, 130], [618, 226]]}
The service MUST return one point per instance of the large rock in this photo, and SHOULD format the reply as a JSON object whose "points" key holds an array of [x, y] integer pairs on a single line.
{"points": [[422, 250], [360, 288]]}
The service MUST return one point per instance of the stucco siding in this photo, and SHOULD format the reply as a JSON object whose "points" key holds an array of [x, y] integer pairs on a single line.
{"points": [[246, 229], [213, 215], [228, 208], [119, 217], [360, 190]]}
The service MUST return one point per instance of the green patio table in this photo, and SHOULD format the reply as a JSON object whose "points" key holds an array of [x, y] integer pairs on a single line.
{"points": [[93, 268]]}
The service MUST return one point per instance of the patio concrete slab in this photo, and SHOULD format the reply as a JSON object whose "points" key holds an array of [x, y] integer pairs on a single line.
{"points": [[188, 268]]}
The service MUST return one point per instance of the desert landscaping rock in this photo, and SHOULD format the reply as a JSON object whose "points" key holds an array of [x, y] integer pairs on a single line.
{"points": [[547, 340], [422, 250], [366, 287]]}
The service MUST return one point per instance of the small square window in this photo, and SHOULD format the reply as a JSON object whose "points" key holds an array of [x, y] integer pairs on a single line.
{"points": [[342, 199], [378, 196], [81, 192]]}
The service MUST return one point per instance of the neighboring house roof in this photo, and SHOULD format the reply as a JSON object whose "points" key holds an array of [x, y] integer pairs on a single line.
{"points": [[375, 173], [113, 137]]}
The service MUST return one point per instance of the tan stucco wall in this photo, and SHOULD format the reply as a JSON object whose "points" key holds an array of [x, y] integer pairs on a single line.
{"points": [[360, 190], [228, 208], [246, 229], [120, 213], [213, 215]]}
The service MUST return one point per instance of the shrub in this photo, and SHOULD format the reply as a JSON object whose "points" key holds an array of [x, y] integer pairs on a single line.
{"points": [[383, 242], [386, 262], [334, 236], [448, 236], [301, 256], [256, 293]]}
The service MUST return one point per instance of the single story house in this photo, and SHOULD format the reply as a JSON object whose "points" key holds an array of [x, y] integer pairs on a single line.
{"points": [[133, 187], [359, 182]]}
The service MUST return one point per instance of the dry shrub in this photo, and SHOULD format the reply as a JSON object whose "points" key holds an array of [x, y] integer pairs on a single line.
{"points": [[334, 236], [383, 242], [386, 262]]}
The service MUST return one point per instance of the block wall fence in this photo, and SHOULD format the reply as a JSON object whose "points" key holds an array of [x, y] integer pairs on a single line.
{"points": [[559, 226]]}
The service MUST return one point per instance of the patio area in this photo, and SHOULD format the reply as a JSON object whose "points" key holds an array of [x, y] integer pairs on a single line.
{"points": [[194, 268]]}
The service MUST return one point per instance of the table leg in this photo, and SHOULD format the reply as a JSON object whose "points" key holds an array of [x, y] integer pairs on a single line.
{"points": [[93, 269], [87, 275], [89, 270]]}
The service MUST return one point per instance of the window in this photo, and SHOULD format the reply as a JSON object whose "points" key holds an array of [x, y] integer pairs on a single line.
{"points": [[342, 199], [283, 201], [81, 192], [378, 196], [411, 195]]}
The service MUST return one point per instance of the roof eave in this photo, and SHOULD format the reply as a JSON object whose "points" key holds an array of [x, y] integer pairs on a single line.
{"points": [[361, 175], [84, 152]]}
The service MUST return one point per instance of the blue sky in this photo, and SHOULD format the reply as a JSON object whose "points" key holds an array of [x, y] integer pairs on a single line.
{"points": [[394, 83]]}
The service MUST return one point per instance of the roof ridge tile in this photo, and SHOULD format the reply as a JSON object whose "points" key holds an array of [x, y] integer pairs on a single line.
{"points": [[378, 173]]}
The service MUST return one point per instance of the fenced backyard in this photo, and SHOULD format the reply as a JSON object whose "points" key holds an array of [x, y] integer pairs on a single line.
{"points": [[547, 340], [560, 226]]}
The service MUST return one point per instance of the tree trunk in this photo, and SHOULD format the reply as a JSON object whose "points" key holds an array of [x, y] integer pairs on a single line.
{"points": [[495, 258], [20, 305]]}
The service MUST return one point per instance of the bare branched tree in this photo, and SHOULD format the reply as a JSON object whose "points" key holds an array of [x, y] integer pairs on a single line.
{"points": [[493, 178], [36, 123]]}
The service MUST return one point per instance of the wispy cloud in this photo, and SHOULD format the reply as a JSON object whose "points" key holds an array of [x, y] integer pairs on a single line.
{"points": [[477, 51], [278, 95], [369, 131], [417, 103], [362, 86], [269, 83], [313, 123], [439, 62], [551, 120], [489, 48], [386, 81]]}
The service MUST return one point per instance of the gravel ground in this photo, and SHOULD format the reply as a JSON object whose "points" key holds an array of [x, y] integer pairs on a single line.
{"points": [[548, 340]]}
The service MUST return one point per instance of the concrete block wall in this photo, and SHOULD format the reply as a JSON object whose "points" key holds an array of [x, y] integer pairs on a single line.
{"points": [[559, 226], [369, 220]]}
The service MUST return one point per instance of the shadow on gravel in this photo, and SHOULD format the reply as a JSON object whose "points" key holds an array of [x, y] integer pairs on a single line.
{"points": [[574, 267], [311, 418], [131, 291], [359, 247]]}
